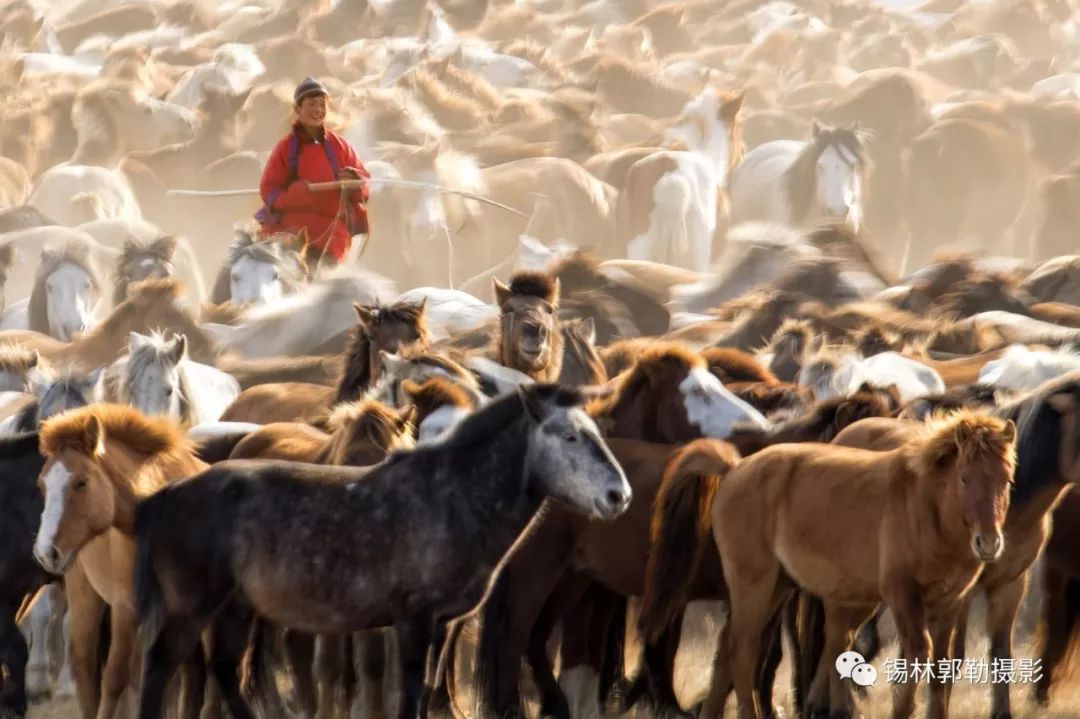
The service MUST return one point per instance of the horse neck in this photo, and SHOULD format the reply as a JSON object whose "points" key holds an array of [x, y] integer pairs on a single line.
{"points": [[135, 476], [100, 152], [634, 415], [927, 517], [800, 181]]}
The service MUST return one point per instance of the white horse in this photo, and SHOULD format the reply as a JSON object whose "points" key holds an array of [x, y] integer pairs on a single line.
{"points": [[1021, 368], [912, 379], [76, 194], [234, 66], [450, 312], [798, 182], [258, 272], [63, 300], [668, 209], [157, 378]]}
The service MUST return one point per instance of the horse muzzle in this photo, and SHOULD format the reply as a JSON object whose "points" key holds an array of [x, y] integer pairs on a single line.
{"points": [[988, 548], [53, 560]]}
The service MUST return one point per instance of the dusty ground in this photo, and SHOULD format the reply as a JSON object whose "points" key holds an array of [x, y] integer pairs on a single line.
{"points": [[970, 701]]}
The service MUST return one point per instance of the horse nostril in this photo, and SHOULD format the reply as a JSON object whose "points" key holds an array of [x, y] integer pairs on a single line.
{"points": [[614, 498]]}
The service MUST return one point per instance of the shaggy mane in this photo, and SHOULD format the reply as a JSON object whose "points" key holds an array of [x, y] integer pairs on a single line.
{"points": [[146, 435], [362, 412], [648, 362], [436, 392], [736, 366], [534, 284], [16, 358], [975, 436]]}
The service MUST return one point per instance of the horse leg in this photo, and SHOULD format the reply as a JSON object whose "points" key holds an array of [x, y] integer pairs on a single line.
{"points": [[117, 667], [867, 639], [564, 600], [60, 647], [228, 640], [713, 706], [754, 602], [13, 657], [300, 650], [329, 671], [579, 675], [192, 689], [174, 643], [440, 700], [772, 653], [371, 652], [942, 631], [905, 601], [1059, 618], [414, 639], [85, 611], [1002, 604], [840, 624], [37, 669]]}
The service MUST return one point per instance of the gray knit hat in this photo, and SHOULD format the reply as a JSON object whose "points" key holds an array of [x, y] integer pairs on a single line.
{"points": [[309, 86]]}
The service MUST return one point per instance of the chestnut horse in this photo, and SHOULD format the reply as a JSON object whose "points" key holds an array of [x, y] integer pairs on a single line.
{"points": [[100, 462], [927, 514], [529, 339]]}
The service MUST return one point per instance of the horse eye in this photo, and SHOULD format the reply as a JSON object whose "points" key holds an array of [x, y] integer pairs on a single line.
{"points": [[81, 484], [236, 278], [570, 436], [168, 391], [276, 276]]}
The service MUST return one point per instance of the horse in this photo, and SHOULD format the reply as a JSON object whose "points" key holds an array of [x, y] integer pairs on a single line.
{"points": [[17, 367], [51, 395], [100, 462], [260, 270], [140, 261], [439, 403], [798, 182], [153, 304], [529, 339], [158, 378], [510, 455], [1058, 625], [961, 466], [581, 363], [378, 329], [62, 299], [20, 576], [1047, 455]]}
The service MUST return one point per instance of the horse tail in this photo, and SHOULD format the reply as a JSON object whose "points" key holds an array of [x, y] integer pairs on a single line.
{"points": [[494, 630], [260, 683], [149, 599], [672, 201], [681, 523]]}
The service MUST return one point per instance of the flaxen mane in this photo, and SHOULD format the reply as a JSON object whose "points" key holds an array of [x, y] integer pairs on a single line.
{"points": [[51, 260], [801, 178], [18, 360], [965, 434], [161, 252], [160, 438]]}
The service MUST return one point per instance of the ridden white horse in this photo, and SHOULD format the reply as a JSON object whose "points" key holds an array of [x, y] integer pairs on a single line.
{"points": [[798, 183], [157, 378], [63, 299], [669, 208], [1021, 368], [258, 272]]}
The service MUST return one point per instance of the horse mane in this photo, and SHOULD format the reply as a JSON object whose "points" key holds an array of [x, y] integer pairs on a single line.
{"points": [[837, 238], [734, 365], [1038, 435], [474, 85], [155, 352], [800, 332], [368, 420], [143, 294], [16, 358], [355, 376], [71, 252], [875, 339], [577, 271], [162, 249], [436, 392], [967, 434], [650, 362], [160, 438], [529, 283], [451, 109], [67, 385], [800, 180]]}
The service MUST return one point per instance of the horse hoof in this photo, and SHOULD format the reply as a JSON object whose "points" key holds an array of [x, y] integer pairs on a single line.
{"points": [[65, 688], [38, 685]]}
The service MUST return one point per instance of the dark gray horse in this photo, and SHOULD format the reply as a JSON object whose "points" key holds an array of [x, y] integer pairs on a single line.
{"points": [[412, 543]]}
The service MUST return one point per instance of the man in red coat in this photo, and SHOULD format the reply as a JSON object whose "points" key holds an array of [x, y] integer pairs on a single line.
{"points": [[310, 154]]}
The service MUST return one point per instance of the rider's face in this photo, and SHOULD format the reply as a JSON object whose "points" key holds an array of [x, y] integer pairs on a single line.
{"points": [[312, 110]]}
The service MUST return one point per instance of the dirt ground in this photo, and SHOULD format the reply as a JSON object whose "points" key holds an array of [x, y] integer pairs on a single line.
{"points": [[693, 669]]}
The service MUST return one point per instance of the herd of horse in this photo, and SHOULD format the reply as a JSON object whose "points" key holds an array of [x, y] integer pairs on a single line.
{"points": [[766, 310]]}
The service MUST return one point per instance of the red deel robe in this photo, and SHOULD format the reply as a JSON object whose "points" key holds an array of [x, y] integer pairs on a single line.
{"points": [[320, 212]]}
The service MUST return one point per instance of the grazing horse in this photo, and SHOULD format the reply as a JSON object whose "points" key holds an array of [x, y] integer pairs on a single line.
{"points": [[101, 461], [928, 515], [797, 182], [259, 271], [158, 378], [154, 304], [1047, 457], [140, 261], [529, 339], [379, 329], [62, 300], [467, 498]]}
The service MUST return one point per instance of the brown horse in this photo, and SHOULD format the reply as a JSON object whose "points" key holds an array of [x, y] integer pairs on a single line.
{"points": [[153, 304], [529, 338], [101, 461], [140, 261], [378, 329], [927, 515], [1048, 463], [1060, 627], [439, 404]]}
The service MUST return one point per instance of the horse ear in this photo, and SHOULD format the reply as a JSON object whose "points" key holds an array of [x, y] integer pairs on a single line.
{"points": [[588, 330], [136, 341], [730, 107], [502, 292], [556, 289], [845, 415], [35, 360], [1009, 432], [364, 314], [165, 245], [94, 436], [531, 402], [815, 129], [1061, 403], [410, 388], [406, 416], [179, 348]]}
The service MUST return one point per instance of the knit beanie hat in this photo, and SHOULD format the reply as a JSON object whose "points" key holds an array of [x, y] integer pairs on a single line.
{"points": [[309, 86]]}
